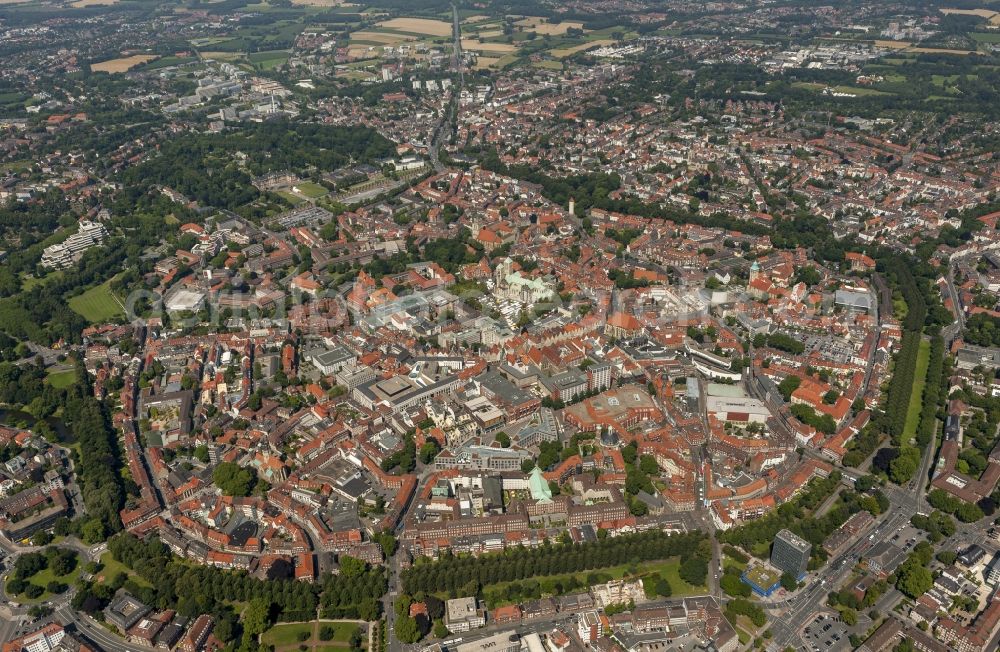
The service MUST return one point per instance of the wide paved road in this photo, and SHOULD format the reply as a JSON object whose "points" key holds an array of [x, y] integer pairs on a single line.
{"points": [[789, 616]]}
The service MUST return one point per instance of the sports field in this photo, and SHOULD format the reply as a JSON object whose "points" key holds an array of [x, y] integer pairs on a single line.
{"points": [[98, 304]]}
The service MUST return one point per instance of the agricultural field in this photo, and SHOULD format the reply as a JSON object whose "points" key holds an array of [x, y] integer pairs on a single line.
{"points": [[474, 45], [93, 3], [381, 38], [362, 52], [893, 45], [982, 13], [548, 64], [941, 51], [122, 64], [484, 63], [420, 26], [542, 26], [97, 304]]}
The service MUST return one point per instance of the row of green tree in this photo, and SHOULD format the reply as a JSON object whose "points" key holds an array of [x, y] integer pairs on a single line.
{"points": [[901, 386], [169, 583], [98, 468], [451, 573]]}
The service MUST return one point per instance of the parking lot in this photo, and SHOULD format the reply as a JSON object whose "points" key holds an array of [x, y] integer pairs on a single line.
{"points": [[906, 537], [824, 633]]}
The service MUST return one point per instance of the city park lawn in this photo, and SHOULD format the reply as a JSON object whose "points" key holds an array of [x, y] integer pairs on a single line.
{"points": [[110, 567], [311, 190], [288, 634], [98, 304], [42, 579], [729, 562], [62, 379], [292, 198], [917, 394]]}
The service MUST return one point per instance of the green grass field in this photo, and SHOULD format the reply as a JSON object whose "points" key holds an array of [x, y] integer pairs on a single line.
{"points": [[15, 166], [97, 304], [166, 62], [548, 64], [111, 568], [292, 198], [42, 579], [311, 190], [288, 634], [61, 379], [917, 394], [342, 631], [269, 58], [285, 634], [729, 562], [28, 282]]}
